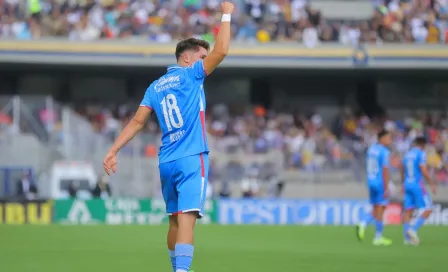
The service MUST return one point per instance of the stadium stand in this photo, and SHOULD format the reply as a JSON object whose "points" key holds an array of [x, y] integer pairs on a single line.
{"points": [[314, 145], [162, 21], [306, 148]]}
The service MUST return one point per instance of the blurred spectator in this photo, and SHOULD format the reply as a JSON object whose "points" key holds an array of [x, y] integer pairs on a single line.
{"points": [[163, 21], [73, 189], [102, 188], [26, 187], [250, 185]]}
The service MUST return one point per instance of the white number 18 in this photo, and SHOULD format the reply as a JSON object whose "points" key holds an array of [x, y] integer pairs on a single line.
{"points": [[169, 107]]}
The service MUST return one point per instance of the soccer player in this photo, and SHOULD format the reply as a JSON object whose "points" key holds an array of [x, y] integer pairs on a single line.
{"points": [[378, 176], [178, 99], [415, 196]]}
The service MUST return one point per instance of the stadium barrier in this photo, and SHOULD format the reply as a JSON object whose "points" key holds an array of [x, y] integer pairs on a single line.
{"points": [[16, 212], [119, 212], [133, 211]]}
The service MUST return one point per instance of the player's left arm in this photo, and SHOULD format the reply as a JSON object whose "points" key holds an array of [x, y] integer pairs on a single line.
{"points": [[129, 132], [386, 171], [402, 175], [423, 165], [132, 128]]}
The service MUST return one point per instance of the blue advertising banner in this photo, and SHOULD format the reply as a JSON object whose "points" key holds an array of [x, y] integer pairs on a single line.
{"points": [[313, 212], [297, 212]]}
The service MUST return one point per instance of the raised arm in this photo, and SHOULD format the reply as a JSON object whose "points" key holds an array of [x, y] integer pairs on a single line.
{"points": [[222, 43]]}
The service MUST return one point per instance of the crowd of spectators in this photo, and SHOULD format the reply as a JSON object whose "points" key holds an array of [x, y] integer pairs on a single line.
{"points": [[420, 21], [306, 141]]}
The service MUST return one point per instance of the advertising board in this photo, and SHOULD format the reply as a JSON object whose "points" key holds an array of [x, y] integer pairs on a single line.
{"points": [[311, 212], [26, 212], [118, 212]]}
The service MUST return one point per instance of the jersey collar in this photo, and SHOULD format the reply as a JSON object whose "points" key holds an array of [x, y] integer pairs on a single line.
{"points": [[173, 67]]}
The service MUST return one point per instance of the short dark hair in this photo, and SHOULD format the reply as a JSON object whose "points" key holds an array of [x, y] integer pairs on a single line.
{"points": [[190, 44], [382, 133], [420, 141]]}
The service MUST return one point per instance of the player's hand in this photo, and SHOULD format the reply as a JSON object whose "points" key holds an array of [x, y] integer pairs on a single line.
{"points": [[110, 163], [433, 188], [227, 7]]}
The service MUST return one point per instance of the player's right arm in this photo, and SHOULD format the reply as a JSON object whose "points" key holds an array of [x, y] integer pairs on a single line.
{"points": [[222, 44], [425, 172]]}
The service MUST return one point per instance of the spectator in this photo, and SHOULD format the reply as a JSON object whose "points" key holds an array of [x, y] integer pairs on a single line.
{"points": [[102, 188], [160, 21], [73, 189], [84, 30], [250, 186], [26, 188]]}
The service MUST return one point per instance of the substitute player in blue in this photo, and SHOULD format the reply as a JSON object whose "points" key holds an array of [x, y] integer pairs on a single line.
{"points": [[378, 176], [178, 99], [413, 170]]}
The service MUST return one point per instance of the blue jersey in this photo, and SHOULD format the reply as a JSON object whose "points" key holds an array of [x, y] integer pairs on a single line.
{"points": [[377, 160], [412, 161], [178, 99]]}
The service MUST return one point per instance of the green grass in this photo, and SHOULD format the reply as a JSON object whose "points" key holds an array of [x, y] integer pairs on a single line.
{"points": [[218, 249]]}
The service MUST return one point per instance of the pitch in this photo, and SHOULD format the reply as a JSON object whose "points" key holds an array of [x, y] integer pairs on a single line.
{"points": [[220, 249]]}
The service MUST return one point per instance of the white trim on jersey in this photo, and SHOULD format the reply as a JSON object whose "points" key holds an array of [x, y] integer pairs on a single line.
{"points": [[201, 104], [172, 67], [202, 193]]}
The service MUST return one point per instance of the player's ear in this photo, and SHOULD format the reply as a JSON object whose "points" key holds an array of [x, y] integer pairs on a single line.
{"points": [[186, 57]]}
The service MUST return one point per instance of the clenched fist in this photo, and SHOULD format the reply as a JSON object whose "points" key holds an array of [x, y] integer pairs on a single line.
{"points": [[227, 7]]}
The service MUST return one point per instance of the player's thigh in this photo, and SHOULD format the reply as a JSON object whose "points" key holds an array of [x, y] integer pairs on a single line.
{"points": [[169, 191], [423, 200], [374, 194], [191, 183], [377, 196], [409, 202]]}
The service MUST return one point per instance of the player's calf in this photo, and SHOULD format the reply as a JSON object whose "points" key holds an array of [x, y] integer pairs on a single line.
{"points": [[413, 231], [378, 211], [171, 240], [406, 224], [184, 244], [421, 219]]}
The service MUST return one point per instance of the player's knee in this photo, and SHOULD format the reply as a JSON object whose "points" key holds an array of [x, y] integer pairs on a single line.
{"points": [[188, 219], [173, 222], [427, 213], [407, 215]]}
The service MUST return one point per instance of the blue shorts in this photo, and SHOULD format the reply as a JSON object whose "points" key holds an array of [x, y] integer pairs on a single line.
{"points": [[184, 184], [415, 197], [376, 195]]}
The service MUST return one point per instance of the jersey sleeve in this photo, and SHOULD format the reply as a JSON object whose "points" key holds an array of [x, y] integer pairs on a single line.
{"points": [[146, 102], [386, 158], [197, 71]]}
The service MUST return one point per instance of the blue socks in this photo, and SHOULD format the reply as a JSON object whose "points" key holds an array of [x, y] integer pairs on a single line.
{"points": [[368, 218], [173, 259], [405, 230], [379, 228], [419, 223], [184, 257]]}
